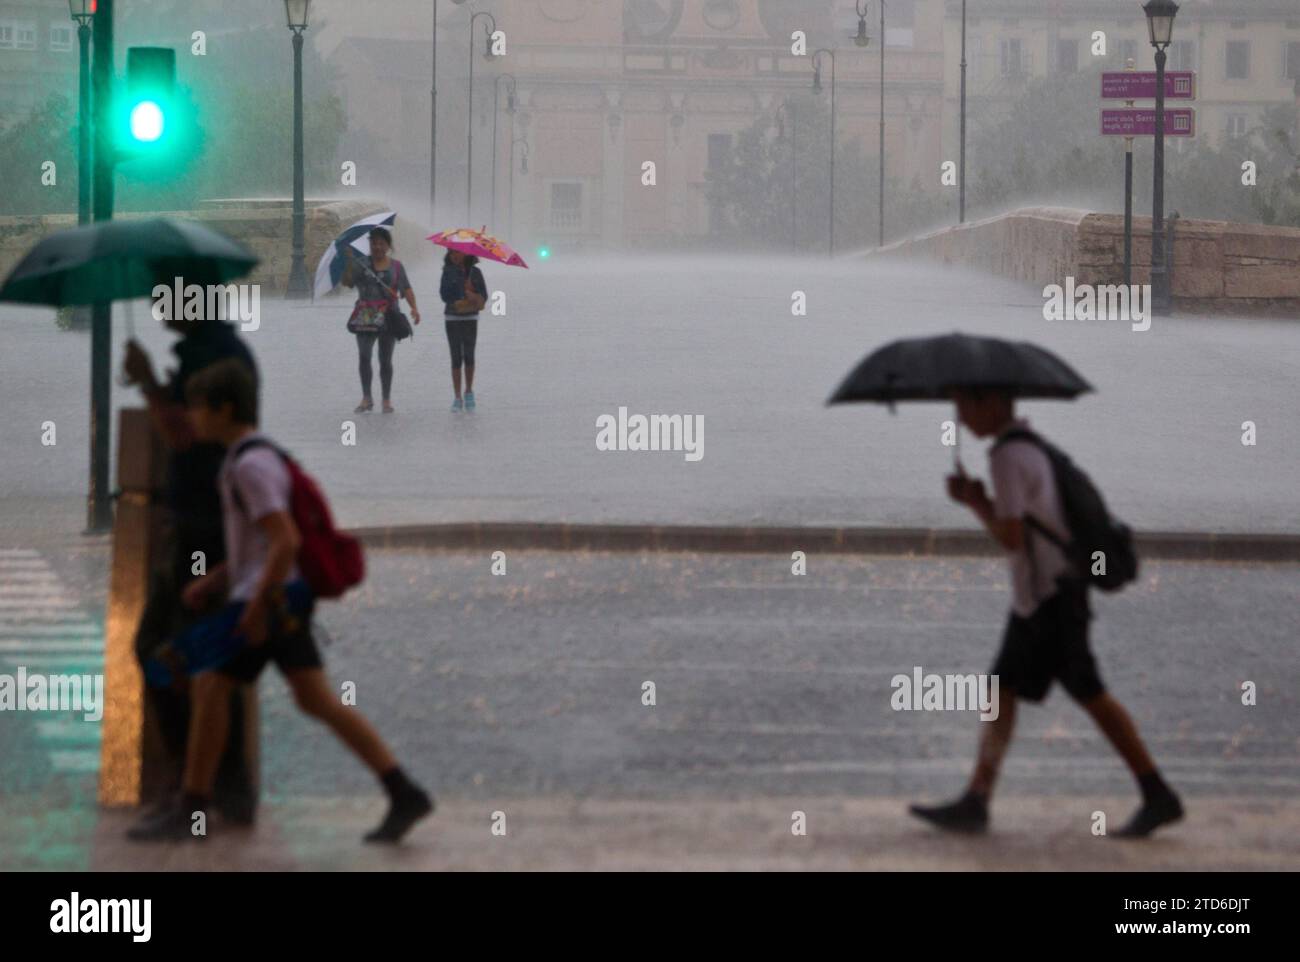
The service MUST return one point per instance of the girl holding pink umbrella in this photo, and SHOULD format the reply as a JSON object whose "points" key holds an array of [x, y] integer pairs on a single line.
{"points": [[464, 292]]}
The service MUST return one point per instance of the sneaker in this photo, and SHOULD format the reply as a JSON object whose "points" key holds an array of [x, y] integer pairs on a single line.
{"points": [[1154, 812], [365, 407], [403, 812], [969, 815], [469, 400], [172, 823], [457, 406]]}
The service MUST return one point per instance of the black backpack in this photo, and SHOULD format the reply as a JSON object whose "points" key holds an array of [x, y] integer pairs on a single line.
{"points": [[1091, 526]]}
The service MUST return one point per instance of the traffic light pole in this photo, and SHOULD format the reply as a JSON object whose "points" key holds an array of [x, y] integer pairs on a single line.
{"points": [[99, 512], [83, 127], [298, 287]]}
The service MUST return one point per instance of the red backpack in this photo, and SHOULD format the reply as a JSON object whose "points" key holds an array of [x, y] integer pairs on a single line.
{"points": [[330, 561]]}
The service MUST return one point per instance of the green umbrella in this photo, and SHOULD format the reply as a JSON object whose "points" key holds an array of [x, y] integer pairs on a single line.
{"points": [[121, 260]]}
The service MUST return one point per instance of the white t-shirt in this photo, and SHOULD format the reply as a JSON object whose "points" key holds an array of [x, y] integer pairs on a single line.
{"points": [[264, 488], [1024, 483]]}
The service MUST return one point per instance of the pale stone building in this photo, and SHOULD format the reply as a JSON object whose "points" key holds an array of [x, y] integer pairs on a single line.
{"points": [[1246, 53]]}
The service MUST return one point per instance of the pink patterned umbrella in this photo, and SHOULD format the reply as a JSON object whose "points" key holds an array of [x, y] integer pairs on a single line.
{"points": [[478, 243]]}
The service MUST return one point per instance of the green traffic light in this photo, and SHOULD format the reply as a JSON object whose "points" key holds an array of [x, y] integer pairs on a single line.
{"points": [[147, 121], [543, 252]]}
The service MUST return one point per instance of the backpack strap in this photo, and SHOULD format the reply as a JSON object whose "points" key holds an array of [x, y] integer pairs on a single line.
{"points": [[1024, 434], [1030, 521], [234, 458]]}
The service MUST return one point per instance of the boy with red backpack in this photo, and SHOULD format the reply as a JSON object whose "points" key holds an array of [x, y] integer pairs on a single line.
{"points": [[1060, 540], [282, 553]]}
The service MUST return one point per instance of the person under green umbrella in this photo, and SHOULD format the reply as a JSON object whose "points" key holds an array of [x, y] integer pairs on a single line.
{"points": [[122, 260]]}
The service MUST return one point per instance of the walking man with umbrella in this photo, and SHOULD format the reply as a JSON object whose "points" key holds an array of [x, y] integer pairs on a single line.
{"points": [[122, 260], [1058, 537]]}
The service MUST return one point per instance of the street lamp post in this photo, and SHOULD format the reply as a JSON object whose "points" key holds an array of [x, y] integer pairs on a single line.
{"points": [[1160, 23], [862, 39], [523, 169], [433, 122], [961, 175], [510, 109], [469, 151], [787, 109], [82, 13], [296, 13], [817, 88]]}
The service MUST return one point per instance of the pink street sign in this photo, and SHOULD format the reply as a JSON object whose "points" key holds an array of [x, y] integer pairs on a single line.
{"points": [[1141, 85], [1141, 122]]}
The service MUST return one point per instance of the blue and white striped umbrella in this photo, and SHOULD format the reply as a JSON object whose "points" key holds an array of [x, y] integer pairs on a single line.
{"points": [[332, 263]]}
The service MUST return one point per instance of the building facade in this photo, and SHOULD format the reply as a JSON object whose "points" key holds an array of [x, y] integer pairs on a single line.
{"points": [[38, 55], [1246, 53], [602, 88]]}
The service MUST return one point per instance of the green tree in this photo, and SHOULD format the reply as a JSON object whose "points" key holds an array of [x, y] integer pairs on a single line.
{"points": [[47, 133], [1045, 150], [751, 190]]}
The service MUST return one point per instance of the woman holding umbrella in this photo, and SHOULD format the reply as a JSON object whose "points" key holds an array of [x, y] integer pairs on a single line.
{"points": [[379, 280], [464, 292]]}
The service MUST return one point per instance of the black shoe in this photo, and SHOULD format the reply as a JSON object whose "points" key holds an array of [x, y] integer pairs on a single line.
{"points": [[173, 823], [237, 808], [404, 810], [1154, 812], [969, 815]]}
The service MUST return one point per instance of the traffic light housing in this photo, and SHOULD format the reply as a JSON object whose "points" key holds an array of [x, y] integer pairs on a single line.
{"points": [[150, 96], [155, 120]]}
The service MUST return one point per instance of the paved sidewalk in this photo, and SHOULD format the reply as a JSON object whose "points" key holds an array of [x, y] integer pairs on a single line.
{"points": [[857, 834]]}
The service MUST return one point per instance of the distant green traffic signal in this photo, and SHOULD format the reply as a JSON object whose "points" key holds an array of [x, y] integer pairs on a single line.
{"points": [[150, 94]]}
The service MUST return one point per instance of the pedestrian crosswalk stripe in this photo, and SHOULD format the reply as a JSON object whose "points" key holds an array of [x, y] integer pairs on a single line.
{"points": [[8, 629], [71, 729], [83, 760], [44, 646], [36, 604], [76, 662], [44, 628]]}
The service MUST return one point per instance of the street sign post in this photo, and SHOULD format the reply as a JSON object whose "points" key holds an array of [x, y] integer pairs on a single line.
{"points": [[1141, 85], [1129, 122], [1141, 122]]}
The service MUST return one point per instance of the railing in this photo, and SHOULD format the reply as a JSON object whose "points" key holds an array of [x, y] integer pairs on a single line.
{"points": [[565, 219]]}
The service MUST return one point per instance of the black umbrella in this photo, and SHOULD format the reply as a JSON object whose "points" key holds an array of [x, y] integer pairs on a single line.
{"points": [[120, 260], [931, 368]]}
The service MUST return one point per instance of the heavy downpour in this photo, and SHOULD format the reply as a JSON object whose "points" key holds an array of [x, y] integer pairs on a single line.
{"points": [[625, 429]]}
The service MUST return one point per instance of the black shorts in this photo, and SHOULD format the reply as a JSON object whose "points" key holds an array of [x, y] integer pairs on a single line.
{"points": [[1051, 645], [289, 651]]}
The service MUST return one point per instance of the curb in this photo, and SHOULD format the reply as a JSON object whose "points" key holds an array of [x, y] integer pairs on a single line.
{"points": [[1182, 546]]}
